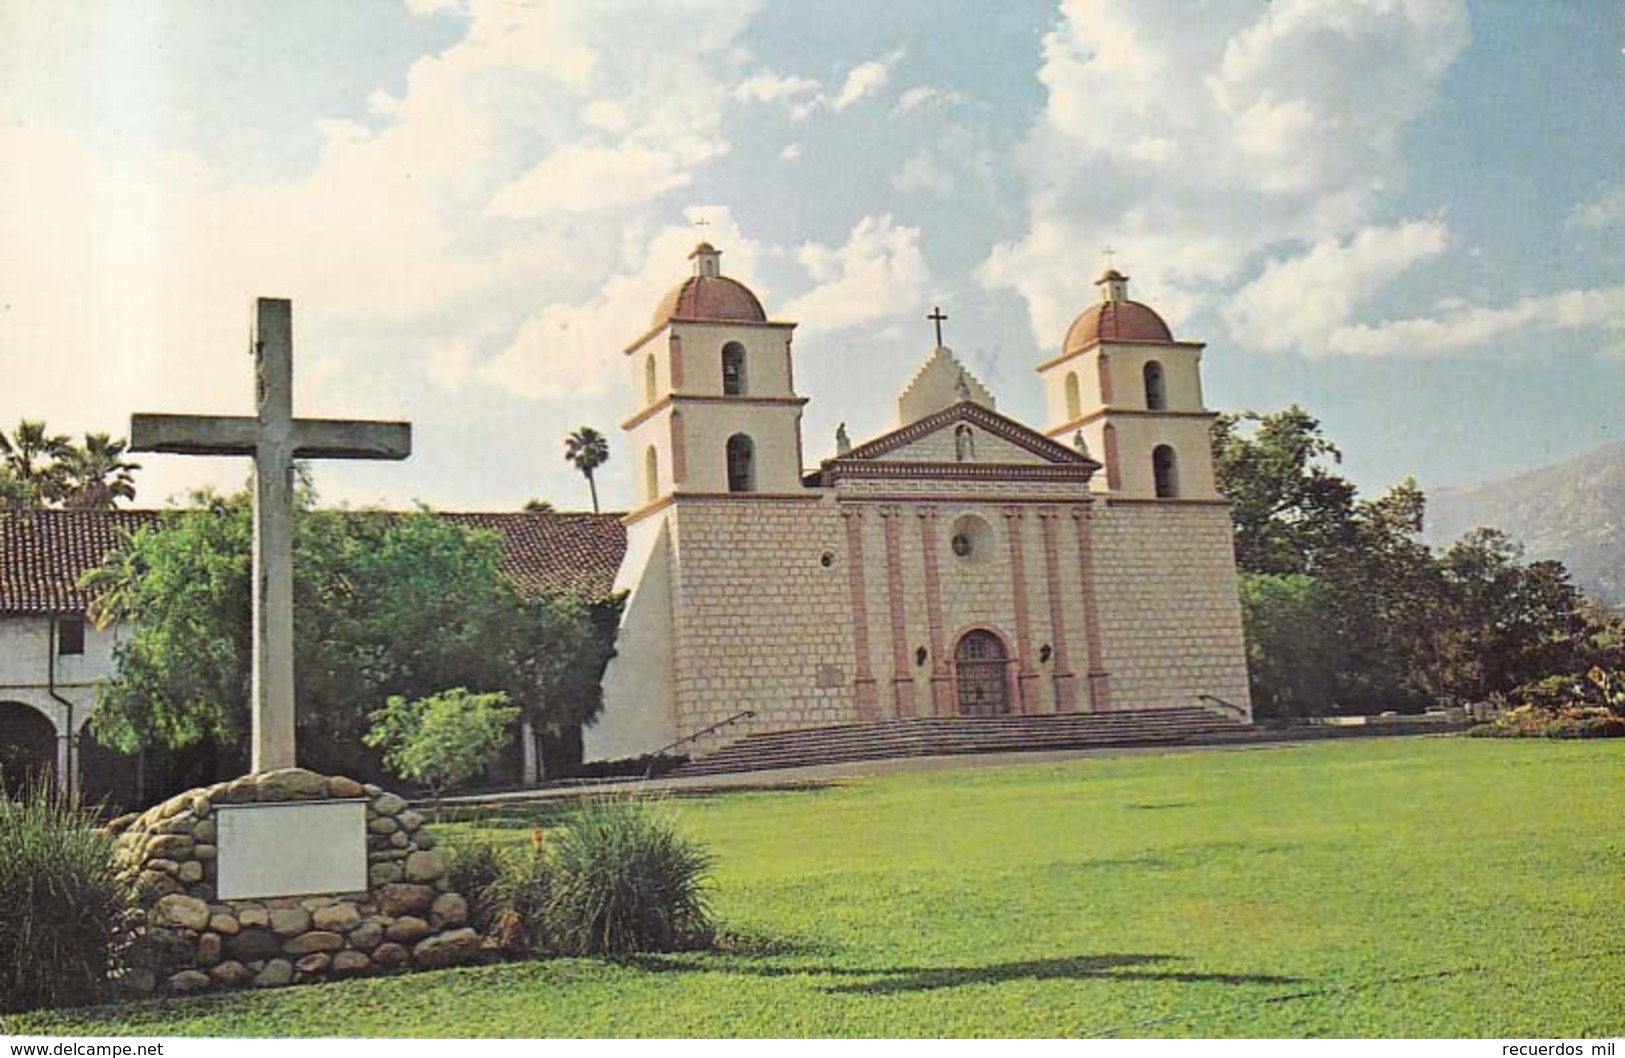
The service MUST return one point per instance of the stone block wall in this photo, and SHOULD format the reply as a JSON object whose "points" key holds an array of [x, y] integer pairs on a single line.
{"points": [[408, 918], [759, 620], [1170, 613]]}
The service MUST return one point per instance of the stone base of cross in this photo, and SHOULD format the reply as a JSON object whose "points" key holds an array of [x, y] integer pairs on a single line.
{"points": [[274, 439]]}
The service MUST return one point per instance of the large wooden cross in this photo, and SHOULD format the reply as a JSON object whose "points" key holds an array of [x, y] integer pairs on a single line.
{"points": [[274, 438]]}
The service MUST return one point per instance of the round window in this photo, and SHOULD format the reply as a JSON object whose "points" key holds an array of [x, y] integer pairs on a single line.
{"points": [[971, 538]]}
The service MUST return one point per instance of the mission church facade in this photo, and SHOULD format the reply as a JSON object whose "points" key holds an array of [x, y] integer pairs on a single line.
{"points": [[961, 565]]}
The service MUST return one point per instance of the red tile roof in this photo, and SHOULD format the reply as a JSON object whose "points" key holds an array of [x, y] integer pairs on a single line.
{"points": [[556, 553], [43, 554]]}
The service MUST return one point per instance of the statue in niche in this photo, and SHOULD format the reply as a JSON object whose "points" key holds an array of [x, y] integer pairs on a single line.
{"points": [[962, 386], [964, 443]]}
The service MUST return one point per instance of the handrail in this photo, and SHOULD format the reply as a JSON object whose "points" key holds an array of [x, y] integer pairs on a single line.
{"points": [[1232, 706], [702, 732]]}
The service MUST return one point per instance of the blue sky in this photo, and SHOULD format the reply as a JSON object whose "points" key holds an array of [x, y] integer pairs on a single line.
{"points": [[1405, 215]]}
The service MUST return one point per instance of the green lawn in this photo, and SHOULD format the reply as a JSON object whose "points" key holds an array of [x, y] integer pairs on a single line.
{"points": [[1406, 887]]}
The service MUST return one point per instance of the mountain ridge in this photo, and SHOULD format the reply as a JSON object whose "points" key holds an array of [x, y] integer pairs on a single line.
{"points": [[1572, 511]]}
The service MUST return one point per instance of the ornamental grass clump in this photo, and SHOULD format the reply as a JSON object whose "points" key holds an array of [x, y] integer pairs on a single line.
{"points": [[64, 912], [625, 881]]}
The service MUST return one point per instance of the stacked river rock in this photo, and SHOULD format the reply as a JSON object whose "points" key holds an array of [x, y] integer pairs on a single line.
{"points": [[408, 918]]}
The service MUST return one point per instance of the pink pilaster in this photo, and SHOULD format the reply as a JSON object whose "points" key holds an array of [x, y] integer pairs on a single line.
{"points": [[1027, 700], [902, 673], [1065, 692], [675, 345], [1100, 689], [863, 683], [941, 676], [1114, 477], [679, 450]]}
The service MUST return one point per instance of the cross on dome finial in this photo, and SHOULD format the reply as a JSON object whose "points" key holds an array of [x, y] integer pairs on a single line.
{"points": [[937, 316]]}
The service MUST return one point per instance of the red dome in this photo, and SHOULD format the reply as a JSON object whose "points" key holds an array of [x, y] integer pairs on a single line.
{"points": [[709, 295], [1117, 321], [710, 298], [1115, 318]]}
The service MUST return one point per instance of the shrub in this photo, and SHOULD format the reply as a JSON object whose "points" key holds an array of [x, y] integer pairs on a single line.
{"points": [[64, 912], [472, 865], [1564, 706], [1572, 721], [507, 891], [624, 881], [444, 740], [518, 899]]}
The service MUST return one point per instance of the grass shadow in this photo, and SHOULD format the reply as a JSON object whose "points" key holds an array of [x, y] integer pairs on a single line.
{"points": [[1111, 966], [902, 979]]}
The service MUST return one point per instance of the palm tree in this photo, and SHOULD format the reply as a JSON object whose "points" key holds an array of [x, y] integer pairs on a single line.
{"points": [[32, 463], [588, 450], [97, 476]]}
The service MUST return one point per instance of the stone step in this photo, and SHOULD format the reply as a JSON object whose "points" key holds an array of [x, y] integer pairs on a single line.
{"points": [[932, 736]]}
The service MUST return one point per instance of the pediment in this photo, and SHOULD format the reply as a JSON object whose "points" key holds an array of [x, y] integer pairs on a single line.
{"points": [[966, 437]]}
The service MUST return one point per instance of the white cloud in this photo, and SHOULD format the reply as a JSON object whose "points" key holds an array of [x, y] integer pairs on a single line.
{"points": [[922, 97], [1297, 304], [1606, 212], [791, 152], [1196, 146], [878, 272], [582, 178], [772, 88], [425, 8], [1462, 328], [926, 173], [866, 79], [570, 349], [606, 115], [862, 81]]}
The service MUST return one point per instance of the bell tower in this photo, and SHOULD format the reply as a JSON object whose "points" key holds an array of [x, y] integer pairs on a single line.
{"points": [[717, 409], [1134, 394]]}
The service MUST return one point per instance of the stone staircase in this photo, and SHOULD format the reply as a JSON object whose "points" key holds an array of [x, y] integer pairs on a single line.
{"points": [[931, 737]]}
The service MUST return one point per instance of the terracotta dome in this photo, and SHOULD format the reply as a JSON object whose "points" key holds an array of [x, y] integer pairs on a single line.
{"points": [[709, 295], [1116, 318]]}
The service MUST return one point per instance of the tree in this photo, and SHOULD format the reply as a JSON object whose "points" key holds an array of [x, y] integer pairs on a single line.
{"points": [[30, 459], [1295, 517], [42, 469], [388, 604], [1287, 505], [1294, 649], [96, 476], [444, 740], [1505, 623], [587, 450]]}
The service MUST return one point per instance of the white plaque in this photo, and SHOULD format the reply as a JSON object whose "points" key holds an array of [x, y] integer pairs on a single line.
{"points": [[292, 848]]}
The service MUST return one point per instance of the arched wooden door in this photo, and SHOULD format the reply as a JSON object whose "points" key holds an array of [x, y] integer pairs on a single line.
{"points": [[27, 747], [981, 676]]}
